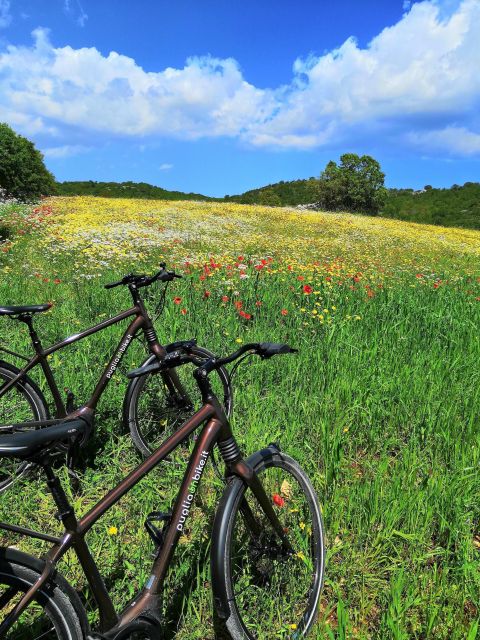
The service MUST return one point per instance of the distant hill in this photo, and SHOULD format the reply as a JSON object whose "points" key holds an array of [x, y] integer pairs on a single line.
{"points": [[124, 190], [454, 207], [458, 206]]}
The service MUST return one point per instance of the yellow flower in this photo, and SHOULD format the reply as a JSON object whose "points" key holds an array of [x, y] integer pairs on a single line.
{"points": [[112, 531], [293, 627], [239, 340]]}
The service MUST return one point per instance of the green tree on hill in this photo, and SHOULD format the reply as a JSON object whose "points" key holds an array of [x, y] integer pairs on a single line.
{"points": [[356, 184], [23, 174]]}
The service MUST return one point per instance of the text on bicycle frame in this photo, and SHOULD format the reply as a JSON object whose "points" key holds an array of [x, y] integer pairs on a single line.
{"points": [[195, 479], [118, 356]]}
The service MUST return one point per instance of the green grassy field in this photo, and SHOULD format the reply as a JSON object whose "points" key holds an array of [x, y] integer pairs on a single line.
{"points": [[381, 406]]}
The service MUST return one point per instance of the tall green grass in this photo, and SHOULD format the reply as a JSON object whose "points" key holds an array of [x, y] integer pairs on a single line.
{"points": [[382, 411]]}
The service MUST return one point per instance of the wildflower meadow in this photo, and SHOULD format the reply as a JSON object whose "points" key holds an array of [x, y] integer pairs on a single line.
{"points": [[381, 404]]}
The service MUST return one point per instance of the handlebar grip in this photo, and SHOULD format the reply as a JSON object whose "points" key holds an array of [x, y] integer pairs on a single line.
{"points": [[269, 349], [113, 284]]}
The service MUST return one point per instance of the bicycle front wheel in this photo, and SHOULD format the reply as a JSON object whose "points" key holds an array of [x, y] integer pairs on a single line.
{"points": [[23, 402], [261, 590], [153, 407]]}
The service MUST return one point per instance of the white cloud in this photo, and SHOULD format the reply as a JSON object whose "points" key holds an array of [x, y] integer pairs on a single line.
{"points": [[412, 76], [165, 166], [5, 17], [65, 151], [453, 139], [414, 84]]}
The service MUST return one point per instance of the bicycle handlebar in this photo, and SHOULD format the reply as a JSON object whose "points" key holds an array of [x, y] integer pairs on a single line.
{"points": [[265, 350], [144, 281]]}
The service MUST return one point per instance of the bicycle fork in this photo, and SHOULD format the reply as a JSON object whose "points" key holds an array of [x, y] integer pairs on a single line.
{"points": [[237, 466]]}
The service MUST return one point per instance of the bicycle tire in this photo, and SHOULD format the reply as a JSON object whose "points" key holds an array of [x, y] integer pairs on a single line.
{"points": [[55, 611], [147, 430], [254, 581], [23, 402]]}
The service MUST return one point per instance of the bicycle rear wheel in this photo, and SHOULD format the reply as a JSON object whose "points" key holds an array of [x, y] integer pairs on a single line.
{"points": [[152, 409], [262, 591], [51, 616], [23, 402]]}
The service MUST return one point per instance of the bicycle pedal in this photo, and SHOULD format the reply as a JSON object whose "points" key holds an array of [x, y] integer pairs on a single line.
{"points": [[157, 535]]}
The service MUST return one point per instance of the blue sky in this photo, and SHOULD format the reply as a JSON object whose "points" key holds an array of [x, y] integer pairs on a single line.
{"points": [[219, 97]]}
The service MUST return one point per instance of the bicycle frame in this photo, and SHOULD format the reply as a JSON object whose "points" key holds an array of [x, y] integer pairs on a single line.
{"points": [[141, 322], [216, 430]]}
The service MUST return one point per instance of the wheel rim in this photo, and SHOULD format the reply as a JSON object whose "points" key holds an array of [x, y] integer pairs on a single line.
{"points": [[159, 412], [276, 592]]}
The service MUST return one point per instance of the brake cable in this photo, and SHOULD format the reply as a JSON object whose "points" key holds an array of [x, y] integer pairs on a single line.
{"points": [[239, 361], [160, 306]]}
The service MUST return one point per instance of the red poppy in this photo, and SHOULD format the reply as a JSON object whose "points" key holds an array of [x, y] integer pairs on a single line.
{"points": [[238, 304], [202, 278], [284, 312], [57, 281], [183, 312], [224, 298], [307, 289], [278, 500], [207, 294], [245, 315], [258, 303], [300, 278], [177, 300]]}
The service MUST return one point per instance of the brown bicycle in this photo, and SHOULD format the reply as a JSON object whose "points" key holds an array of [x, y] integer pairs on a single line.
{"points": [[155, 404], [267, 544]]}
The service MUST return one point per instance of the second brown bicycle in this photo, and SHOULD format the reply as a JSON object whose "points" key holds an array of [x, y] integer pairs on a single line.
{"points": [[155, 404]]}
